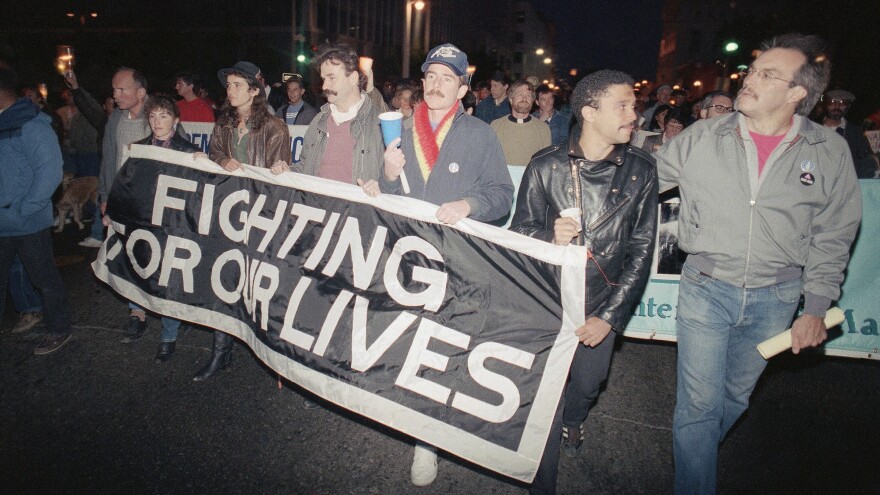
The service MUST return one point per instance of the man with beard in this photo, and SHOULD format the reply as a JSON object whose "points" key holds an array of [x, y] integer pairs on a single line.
{"points": [[616, 196], [769, 207], [344, 141], [835, 104], [463, 160], [520, 134]]}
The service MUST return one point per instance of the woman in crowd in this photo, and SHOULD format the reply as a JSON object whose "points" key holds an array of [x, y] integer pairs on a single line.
{"points": [[656, 123], [163, 117], [245, 132], [674, 122]]}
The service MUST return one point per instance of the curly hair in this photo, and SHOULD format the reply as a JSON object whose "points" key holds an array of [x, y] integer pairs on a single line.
{"points": [[227, 116], [812, 75], [161, 102], [593, 87]]}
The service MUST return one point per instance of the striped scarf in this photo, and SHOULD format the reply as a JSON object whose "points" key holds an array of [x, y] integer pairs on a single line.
{"points": [[426, 141]]}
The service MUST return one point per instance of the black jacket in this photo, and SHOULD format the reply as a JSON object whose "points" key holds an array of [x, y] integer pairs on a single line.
{"points": [[619, 205]]}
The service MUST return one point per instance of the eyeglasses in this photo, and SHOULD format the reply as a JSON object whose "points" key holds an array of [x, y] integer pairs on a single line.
{"points": [[720, 108], [764, 75]]}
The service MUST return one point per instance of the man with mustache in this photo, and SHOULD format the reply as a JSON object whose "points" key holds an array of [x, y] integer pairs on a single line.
{"points": [[616, 196], [463, 160], [520, 134], [344, 141], [769, 207], [835, 104]]}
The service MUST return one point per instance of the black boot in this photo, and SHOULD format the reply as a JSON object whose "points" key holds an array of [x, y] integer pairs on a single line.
{"points": [[220, 356], [166, 349]]}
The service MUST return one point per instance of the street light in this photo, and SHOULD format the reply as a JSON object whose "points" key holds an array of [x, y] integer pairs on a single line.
{"points": [[407, 33], [539, 51], [731, 47], [548, 60]]}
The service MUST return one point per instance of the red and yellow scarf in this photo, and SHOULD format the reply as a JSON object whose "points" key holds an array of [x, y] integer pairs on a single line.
{"points": [[426, 141]]}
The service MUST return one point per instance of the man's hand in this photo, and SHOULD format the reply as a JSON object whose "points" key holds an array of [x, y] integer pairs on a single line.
{"points": [[564, 230], [593, 332], [231, 165], [450, 213], [279, 167], [105, 220], [807, 331], [199, 154], [371, 187], [394, 160]]}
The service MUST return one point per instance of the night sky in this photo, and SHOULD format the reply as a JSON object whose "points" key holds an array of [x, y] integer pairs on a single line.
{"points": [[593, 34]]}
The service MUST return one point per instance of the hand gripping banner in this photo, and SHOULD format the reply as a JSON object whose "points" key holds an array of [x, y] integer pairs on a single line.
{"points": [[456, 335]]}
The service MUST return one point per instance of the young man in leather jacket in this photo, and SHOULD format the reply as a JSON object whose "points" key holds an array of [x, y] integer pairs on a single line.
{"points": [[615, 187]]}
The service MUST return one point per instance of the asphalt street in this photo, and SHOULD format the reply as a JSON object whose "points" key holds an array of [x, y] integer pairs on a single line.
{"points": [[99, 416]]}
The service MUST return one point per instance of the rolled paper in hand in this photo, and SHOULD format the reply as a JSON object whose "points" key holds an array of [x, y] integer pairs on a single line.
{"points": [[391, 123], [782, 342]]}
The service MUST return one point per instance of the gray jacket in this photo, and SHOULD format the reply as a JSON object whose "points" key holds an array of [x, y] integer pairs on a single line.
{"points": [[796, 220], [471, 166], [367, 156]]}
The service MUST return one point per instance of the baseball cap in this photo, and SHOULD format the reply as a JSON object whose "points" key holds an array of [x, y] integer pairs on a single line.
{"points": [[448, 55]]}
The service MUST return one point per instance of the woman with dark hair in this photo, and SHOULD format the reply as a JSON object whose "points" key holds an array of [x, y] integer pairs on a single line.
{"points": [[245, 132], [163, 116], [657, 120], [676, 119]]}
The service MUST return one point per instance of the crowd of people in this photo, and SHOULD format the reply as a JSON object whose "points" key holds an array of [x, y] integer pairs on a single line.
{"points": [[769, 198]]}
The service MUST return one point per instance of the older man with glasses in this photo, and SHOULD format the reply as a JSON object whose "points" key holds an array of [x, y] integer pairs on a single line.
{"points": [[715, 104], [769, 207]]}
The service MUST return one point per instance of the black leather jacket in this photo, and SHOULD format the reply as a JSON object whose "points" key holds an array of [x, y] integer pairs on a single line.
{"points": [[619, 205]]}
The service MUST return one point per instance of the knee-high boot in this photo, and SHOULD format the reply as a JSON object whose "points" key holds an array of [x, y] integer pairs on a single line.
{"points": [[221, 355]]}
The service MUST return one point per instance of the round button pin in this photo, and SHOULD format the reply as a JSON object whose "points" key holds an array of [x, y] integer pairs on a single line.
{"points": [[807, 179], [453, 167]]}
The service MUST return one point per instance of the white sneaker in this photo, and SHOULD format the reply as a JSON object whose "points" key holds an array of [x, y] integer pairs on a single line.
{"points": [[91, 242], [424, 466]]}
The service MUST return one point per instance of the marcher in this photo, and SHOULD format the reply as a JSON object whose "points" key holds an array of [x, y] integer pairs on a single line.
{"points": [[621, 245], [296, 111], [769, 207], [163, 115], [463, 160], [520, 134], [246, 132], [30, 170]]}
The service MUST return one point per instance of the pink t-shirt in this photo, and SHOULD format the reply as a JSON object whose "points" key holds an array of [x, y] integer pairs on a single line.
{"points": [[765, 145]]}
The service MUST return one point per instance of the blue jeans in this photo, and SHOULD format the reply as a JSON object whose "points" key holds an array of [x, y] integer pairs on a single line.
{"points": [[170, 326], [718, 326], [35, 251], [24, 296]]}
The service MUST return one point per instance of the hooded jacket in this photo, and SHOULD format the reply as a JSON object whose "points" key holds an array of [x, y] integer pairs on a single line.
{"points": [[30, 169]]}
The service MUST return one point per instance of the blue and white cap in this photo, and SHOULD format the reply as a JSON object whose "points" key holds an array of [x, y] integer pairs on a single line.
{"points": [[448, 55]]}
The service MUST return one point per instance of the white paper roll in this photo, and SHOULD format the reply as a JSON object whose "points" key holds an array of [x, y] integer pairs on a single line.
{"points": [[782, 342]]}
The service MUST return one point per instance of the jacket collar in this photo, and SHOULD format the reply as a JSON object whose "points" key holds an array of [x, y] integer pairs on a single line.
{"points": [[617, 155], [365, 108], [806, 129]]}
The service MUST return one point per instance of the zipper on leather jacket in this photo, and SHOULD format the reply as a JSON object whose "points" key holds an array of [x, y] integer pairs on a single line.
{"points": [[604, 218]]}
